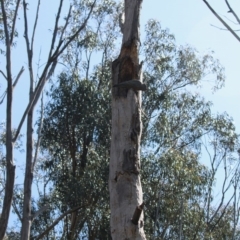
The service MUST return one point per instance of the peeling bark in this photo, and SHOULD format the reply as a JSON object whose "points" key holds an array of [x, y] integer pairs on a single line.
{"points": [[124, 179]]}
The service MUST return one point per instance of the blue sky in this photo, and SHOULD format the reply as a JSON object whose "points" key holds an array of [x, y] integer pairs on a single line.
{"points": [[190, 21]]}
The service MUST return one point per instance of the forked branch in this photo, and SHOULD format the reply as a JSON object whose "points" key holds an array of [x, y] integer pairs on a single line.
{"points": [[222, 21]]}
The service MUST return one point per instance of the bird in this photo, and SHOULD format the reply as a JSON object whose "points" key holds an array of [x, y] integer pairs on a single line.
{"points": [[134, 84]]}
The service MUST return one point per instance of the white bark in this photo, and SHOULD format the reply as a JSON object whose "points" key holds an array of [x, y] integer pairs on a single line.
{"points": [[124, 179]]}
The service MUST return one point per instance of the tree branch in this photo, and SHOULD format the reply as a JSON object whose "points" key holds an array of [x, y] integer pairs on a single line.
{"points": [[39, 135], [14, 21], [222, 21], [14, 84], [35, 24], [232, 11], [3, 74], [52, 61], [71, 38], [18, 76], [223, 28], [56, 222]]}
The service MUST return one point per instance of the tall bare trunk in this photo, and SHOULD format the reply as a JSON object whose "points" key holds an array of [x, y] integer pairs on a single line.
{"points": [[124, 180], [10, 168], [27, 219]]}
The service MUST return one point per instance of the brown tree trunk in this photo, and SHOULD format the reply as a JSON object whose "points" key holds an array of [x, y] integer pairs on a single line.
{"points": [[124, 180], [10, 168], [27, 218]]}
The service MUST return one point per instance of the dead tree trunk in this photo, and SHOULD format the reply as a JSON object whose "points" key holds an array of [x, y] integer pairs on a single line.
{"points": [[10, 167], [124, 180]]}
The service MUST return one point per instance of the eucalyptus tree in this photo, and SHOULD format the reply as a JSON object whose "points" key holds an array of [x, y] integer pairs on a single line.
{"points": [[179, 187], [75, 126]]}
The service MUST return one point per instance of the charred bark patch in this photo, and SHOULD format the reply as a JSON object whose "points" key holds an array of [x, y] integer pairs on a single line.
{"points": [[135, 127], [130, 161], [126, 67]]}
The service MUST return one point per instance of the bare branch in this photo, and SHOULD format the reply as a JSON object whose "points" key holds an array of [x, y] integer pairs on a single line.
{"points": [[14, 84], [40, 211], [223, 212], [223, 28], [52, 61], [39, 135], [232, 11], [231, 20], [3, 74], [66, 22], [224, 190], [18, 76], [3, 96], [222, 21], [35, 24], [55, 29], [57, 221], [29, 49], [14, 21], [26, 29], [71, 38]]}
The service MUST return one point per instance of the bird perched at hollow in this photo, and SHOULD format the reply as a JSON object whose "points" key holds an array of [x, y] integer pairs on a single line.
{"points": [[134, 84]]}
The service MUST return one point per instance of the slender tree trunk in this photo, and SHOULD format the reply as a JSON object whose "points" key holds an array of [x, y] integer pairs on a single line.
{"points": [[27, 218], [10, 173], [10, 168], [124, 180]]}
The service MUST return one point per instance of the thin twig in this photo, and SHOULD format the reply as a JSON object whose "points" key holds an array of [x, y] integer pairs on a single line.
{"points": [[3, 74], [3, 97], [55, 28], [18, 76], [223, 28], [14, 84]]}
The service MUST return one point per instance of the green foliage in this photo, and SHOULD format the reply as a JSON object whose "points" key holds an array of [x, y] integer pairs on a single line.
{"points": [[75, 130]]}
